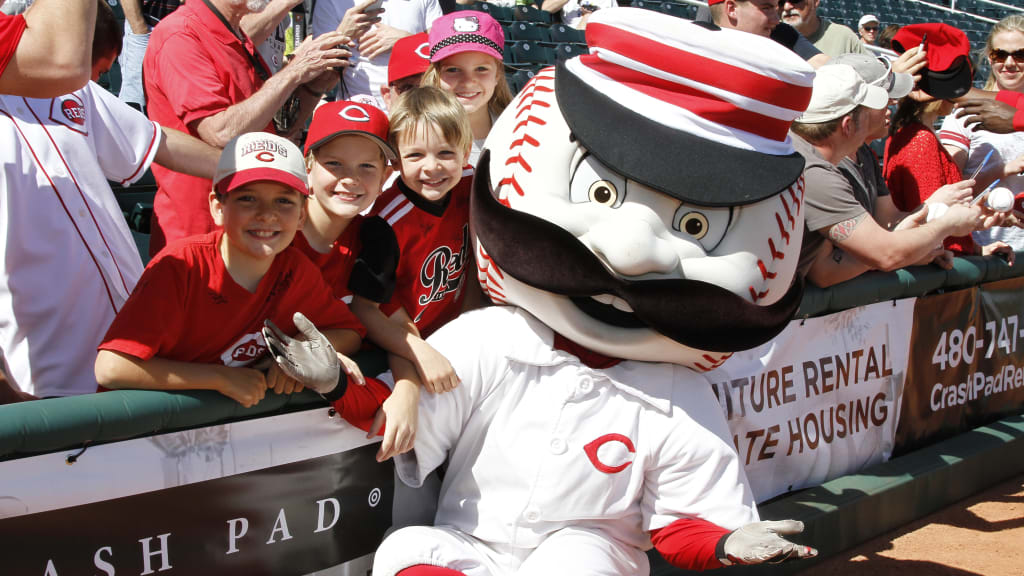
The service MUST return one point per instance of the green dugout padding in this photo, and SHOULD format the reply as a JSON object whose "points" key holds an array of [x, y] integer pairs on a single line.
{"points": [[64, 423]]}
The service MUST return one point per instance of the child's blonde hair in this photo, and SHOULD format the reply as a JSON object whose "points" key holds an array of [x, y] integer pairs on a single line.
{"points": [[434, 106], [499, 100]]}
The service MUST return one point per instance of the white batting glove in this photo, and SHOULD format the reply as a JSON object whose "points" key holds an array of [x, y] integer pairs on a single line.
{"points": [[760, 542], [311, 361]]}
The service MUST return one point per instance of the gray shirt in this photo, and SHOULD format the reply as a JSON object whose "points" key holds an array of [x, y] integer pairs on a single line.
{"points": [[828, 200]]}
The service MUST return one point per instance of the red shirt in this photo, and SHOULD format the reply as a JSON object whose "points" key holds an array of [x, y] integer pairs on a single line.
{"points": [[11, 28], [434, 244], [194, 68], [186, 306], [916, 165], [336, 264]]}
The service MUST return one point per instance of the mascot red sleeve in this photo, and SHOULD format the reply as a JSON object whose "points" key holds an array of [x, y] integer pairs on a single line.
{"points": [[637, 213]]}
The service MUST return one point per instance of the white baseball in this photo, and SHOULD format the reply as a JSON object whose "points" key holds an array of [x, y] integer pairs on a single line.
{"points": [[1000, 199]]}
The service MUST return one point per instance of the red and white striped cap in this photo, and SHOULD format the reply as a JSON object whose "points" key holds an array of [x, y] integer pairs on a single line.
{"points": [[698, 112]]}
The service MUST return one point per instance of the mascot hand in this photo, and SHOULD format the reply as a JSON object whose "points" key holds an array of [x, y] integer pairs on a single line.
{"points": [[311, 361], [760, 542]]}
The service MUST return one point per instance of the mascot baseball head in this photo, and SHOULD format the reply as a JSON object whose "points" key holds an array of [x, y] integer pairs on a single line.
{"points": [[645, 200]]}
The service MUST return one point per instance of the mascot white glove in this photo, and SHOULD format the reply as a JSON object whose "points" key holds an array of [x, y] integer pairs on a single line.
{"points": [[760, 542], [312, 361]]}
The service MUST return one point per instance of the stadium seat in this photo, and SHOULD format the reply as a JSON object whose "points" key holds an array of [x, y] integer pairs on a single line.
{"points": [[647, 4], [499, 13], [528, 31], [519, 79], [531, 14], [561, 33], [566, 51], [679, 10], [527, 52]]}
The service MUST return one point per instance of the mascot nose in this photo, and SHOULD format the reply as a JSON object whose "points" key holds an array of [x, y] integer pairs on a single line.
{"points": [[631, 248]]}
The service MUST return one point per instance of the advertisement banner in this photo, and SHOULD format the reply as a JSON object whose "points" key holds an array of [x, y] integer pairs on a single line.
{"points": [[966, 364], [287, 495], [819, 401]]}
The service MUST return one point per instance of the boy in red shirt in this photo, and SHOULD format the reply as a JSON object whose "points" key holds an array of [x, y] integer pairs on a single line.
{"points": [[195, 319], [428, 209]]}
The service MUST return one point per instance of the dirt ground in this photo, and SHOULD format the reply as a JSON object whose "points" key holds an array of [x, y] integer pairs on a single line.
{"points": [[982, 535]]}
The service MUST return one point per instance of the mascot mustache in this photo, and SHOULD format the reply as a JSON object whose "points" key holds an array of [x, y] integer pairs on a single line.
{"points": [[694, 313]]}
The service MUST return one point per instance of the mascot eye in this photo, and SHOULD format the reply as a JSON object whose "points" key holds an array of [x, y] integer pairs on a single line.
{"points": [[596, 183], [707, 226], [603, 192], [695, 224]]}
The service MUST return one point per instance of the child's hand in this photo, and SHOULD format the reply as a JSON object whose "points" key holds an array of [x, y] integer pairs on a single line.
{"points": [[434, 369], [243, 385], [399, 415], [281, 383], [312, 360], [1000, 249], [352, 369]]}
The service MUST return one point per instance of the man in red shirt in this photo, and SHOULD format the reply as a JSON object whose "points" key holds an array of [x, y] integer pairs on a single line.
{"points": [[203, 76], [37, 62]]}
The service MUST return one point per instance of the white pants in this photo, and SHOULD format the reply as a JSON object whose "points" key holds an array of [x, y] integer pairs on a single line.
{"points": [[568, 551]]}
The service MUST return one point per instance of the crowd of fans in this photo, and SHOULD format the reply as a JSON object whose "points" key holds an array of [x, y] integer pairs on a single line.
{"points": [[322, 182]]}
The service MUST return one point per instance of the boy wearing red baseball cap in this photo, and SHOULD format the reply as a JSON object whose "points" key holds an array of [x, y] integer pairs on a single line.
{"points": [[195, 319], [410, 58]]}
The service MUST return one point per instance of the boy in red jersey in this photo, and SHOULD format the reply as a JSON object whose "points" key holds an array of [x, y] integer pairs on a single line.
{"points": [[428, 209], [194, 321]]}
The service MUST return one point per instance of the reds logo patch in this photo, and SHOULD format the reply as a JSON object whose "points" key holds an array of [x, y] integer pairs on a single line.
{"points": [[355, 113], [423, 51], [243, 352], [611, 453], [69, 111], [441, 273]]}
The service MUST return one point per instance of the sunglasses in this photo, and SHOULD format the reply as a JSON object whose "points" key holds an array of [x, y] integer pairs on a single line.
{"points": [[871, 28], [1000, 56]]}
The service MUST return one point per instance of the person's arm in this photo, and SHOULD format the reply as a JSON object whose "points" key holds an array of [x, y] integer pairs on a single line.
{"points": [[880, 249], [115, 370], [398, 335], [344, 340], [832, 265], [553, 5], [258, 26], [133, 16], [992, 115], [183, 153], [52, 57], [311, 58]]}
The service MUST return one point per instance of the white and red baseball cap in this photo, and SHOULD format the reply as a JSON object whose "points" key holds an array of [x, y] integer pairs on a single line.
{"points": [[410, 56], [725, 99], [347, 117], [838, 90], [260, 157], [466, 31]]}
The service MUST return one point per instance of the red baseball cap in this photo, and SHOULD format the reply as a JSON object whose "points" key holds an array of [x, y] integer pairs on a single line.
{"points": [[949, 73], [346, 117], [260, 157], [713, 2], [409, 56]]}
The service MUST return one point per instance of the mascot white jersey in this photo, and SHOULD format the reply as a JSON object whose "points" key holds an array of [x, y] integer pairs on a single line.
{"points": [[638, 214]]}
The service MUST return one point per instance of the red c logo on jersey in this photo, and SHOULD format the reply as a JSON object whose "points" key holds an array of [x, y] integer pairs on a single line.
{"points": [[423, 50], [265, 156], [73, 111], [616, 449], [355, 113]]}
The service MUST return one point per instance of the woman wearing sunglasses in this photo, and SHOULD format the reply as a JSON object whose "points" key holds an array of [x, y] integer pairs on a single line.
{"points": [[969, 146]]}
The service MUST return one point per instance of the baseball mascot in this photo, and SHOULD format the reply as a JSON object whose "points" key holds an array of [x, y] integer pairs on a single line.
{"points": [[637, 215]]}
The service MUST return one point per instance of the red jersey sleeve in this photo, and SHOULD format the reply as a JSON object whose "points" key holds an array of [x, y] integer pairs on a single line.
{"points": [[359, 404], [154, 316], [11, 29], [319, 303], [689, 543]]}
